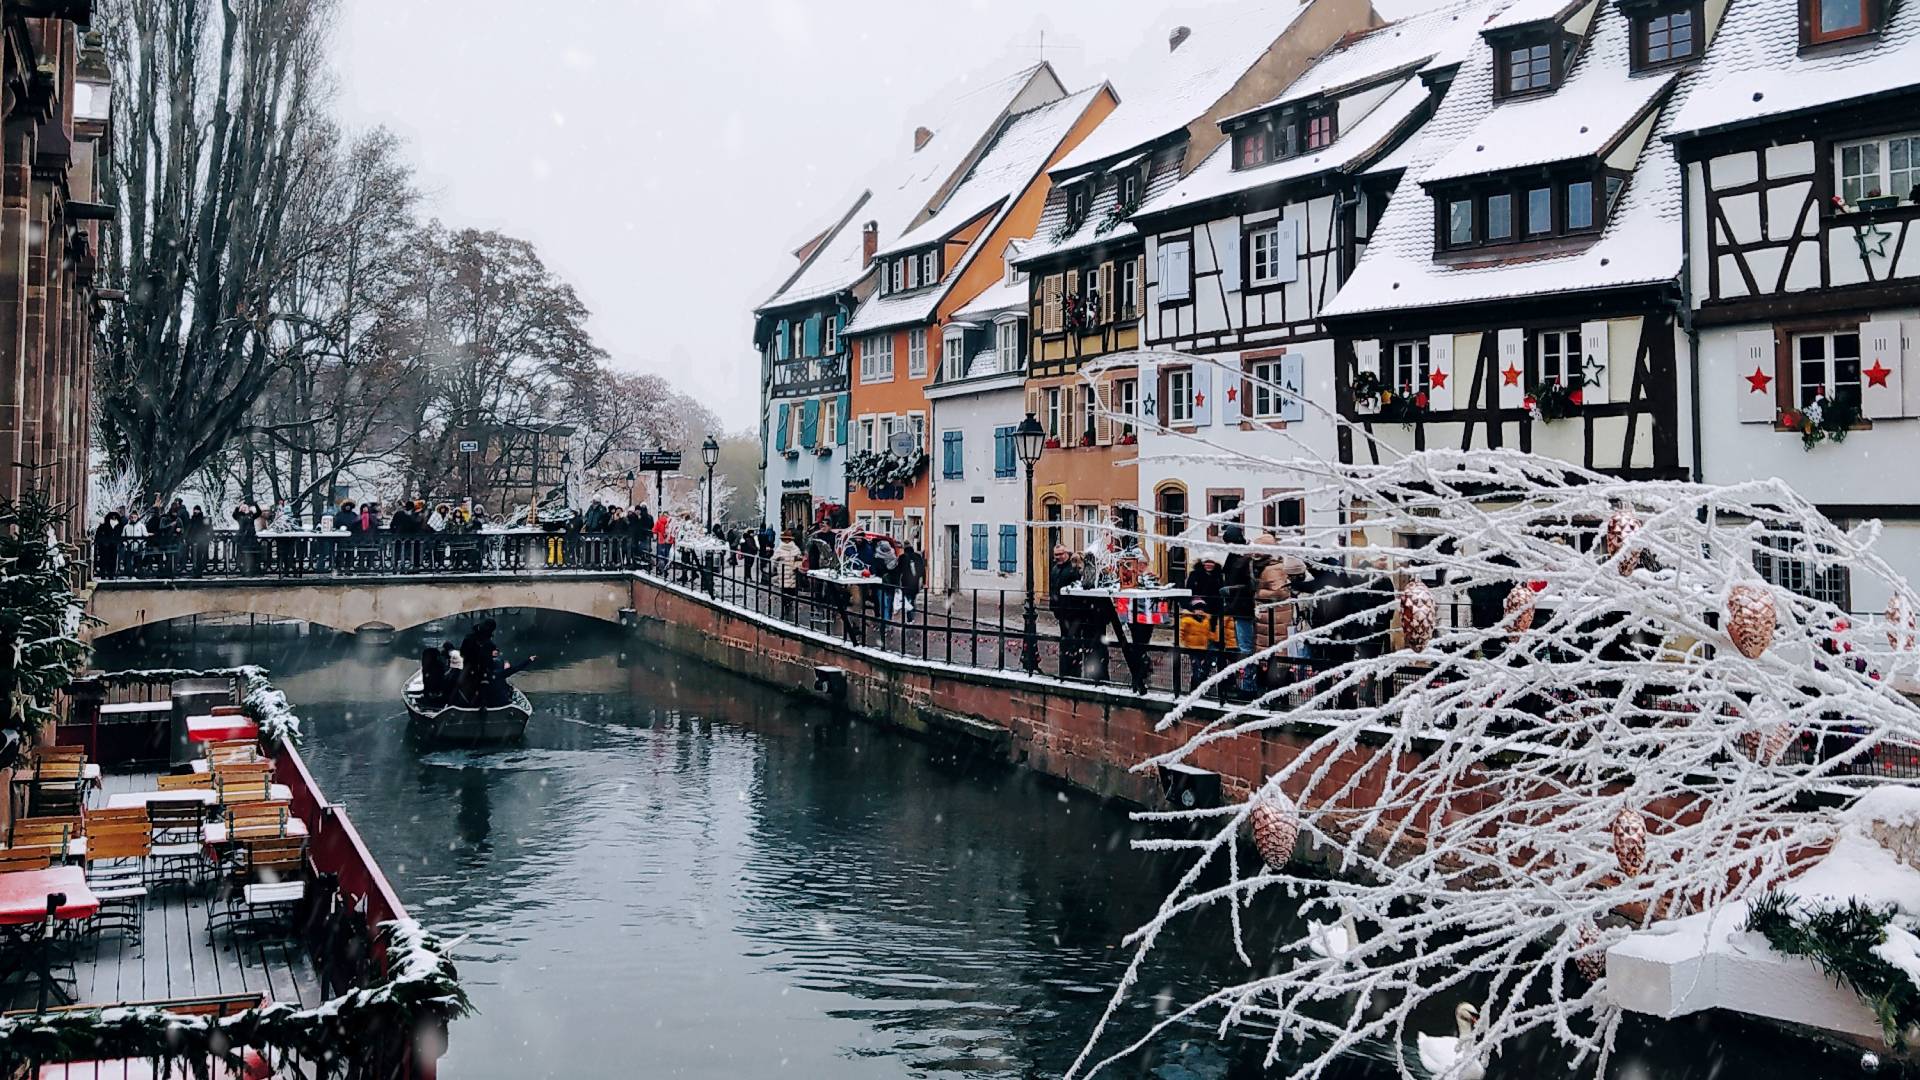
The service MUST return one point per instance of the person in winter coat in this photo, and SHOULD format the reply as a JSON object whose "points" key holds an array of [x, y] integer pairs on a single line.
{"points": [[1237, 586], [106, 543], [1199, 640], [787, 562], [886, 566], [1070, 612], [663, 539], [437, 521], [1205, 581], [913, 574], [347, 518]]}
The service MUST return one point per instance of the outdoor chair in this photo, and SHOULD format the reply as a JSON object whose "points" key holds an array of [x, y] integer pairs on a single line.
{"points": [[263, 884], [178, 851], [62, 834], [39, 857], [186, 781], [117, 853]]}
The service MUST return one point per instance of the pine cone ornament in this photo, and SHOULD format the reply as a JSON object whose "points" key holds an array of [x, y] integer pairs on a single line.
{"points": [[1519, 606], [1630, 842], [1276, 825], [1900, 628], [1419, 613], [1750, 619], [1620, 529], [1773, 746], [1591, 960]]}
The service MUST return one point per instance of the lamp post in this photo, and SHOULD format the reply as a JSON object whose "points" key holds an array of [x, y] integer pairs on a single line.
{"points": [[710, 453], [1029, 439]]}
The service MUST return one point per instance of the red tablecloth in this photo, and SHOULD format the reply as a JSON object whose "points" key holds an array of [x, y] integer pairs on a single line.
{"points": [[220, 728], [23, 895]]}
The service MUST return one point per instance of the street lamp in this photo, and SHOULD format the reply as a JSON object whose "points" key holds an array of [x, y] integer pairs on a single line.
{"points": [[710, 453], [1029, 439]]}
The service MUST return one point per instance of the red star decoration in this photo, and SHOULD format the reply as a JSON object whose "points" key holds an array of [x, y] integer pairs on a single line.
{"points": [[1759, 381], [1511, 376], [1199, 400], [1438, 379], [1232, 392], [1877, 374]]}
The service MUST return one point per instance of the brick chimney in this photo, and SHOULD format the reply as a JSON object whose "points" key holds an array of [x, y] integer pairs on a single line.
{"points": [[1178, 37], [921, 136], [869, 243]]}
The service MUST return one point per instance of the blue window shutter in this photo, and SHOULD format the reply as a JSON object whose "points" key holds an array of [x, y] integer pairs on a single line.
{"points": [[1003, 451], [952, 465], [846, 406], [1009, 549], [810, 424], [979, 547], [814, 322], [780, 433], [1293, 379], [781, 336], [840, 332]]}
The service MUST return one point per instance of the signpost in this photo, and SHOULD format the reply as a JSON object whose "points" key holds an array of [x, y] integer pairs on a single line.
{"points": [[660, 463], [468, 448]]}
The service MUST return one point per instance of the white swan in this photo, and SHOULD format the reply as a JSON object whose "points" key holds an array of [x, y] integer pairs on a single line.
{"points": [[1449, 1056], [1333, 940]]}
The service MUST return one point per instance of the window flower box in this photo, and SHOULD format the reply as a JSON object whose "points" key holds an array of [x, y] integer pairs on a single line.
{"points": [[1129, 439], [1825, 420], [791, 454], [823, 451], [1555, 401], [1879, 202], [1052, 443]]}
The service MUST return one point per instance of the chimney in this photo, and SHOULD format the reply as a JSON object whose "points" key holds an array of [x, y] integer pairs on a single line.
{"points": [[921, 136], [869, 243], [1178, 37]]}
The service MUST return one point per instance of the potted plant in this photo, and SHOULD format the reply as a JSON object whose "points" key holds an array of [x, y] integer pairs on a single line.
{"points": [[1053, 442], [1404, 405], [1554, 401], [791, 453], [1825, 420], [1129, 439], [823, 451], [1367, 389]]}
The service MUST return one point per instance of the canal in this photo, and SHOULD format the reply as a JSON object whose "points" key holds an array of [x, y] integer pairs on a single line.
{"points": [[685, 874]]}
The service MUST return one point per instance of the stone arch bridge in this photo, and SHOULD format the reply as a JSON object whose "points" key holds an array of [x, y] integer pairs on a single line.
{"points": [[349, 605]]}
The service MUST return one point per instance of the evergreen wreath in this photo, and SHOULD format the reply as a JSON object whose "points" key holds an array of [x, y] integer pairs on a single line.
{"points": [[1550, 401], [1826, 420], [1842, 940]]}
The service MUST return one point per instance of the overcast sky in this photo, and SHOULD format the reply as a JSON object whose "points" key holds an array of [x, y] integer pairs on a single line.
{"points": [[664, 156]]}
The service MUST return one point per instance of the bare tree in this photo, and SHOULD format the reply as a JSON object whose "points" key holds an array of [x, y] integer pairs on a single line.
{"points": [[220, 135]]}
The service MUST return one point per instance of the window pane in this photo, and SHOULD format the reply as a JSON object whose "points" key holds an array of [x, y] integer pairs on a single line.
{"points": [[1838, 15], [1460, 222], [1539, 211], [1499, 217], [1903, 166], [1580, 204]]}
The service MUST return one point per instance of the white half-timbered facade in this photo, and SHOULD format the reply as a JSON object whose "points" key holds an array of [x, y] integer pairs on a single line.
{"points": [[1245, 254], [1522, 289], [1801, 150]]}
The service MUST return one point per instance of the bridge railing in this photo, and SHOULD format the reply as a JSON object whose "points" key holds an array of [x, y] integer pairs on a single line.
{"points": [[342, 554]]}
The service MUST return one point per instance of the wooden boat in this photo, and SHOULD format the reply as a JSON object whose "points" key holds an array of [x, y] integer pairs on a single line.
{"points": [[449, 723]]}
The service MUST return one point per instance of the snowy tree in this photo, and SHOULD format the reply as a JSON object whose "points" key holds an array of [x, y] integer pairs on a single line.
{"points": [[1556, 706]]}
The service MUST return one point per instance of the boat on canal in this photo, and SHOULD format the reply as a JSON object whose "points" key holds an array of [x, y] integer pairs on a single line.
{"points": [[466, 725]]}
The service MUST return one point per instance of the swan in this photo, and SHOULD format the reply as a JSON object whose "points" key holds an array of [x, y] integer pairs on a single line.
{"points": [[1333, 940], [1449, 1056]]}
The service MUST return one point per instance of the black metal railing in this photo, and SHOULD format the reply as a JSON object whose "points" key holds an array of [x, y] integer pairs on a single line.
{"points": [[227, 555]]}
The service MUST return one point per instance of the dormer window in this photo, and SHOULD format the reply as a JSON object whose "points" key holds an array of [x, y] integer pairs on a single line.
{"points": [[1665, 32], [1529, 67], [1251, 146], [1127, 189], [1078, 198], [1320, 131], [930, 268], [1822, 21], [1492, 211]]}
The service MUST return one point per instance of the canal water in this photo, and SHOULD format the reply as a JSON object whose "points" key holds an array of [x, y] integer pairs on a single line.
{"points": [[684, 874]]}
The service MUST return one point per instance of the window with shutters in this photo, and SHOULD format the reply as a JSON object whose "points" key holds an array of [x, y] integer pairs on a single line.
{"points": [[1126, 402], [1012, 335], [952, 459], [830, 336], [953, 354], [917, 423], [1179, 401], [978, 534], [799, 339], [1264, 254], [1884, 167], [1004, 455], [1052, 303], [1009, 549], [916, 354], [1557, 357], [1053, 418], [866, 434], [829, 420], [1411, 364], [1176, 270], [1827, 365], [930, 268], [1265, 399], [1089, 416], [876, 358], [1126, 289]]}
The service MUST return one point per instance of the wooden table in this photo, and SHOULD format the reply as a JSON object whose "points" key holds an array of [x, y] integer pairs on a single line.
{"points": [[204, 796], [27, 897]]}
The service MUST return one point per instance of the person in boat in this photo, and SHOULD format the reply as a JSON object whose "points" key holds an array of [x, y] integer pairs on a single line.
{"points": [[484, 671], [436, 675]]}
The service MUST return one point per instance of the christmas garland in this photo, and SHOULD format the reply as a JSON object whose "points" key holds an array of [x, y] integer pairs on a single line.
{"points": [[1844, 943], [1403, 405], [1824, 420], [347, 1036], [1552, 401], [877, 469], [1118, 215], [41, 617]]}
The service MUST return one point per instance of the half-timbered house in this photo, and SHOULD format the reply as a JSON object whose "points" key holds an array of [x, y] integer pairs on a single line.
{"points": [[1249, 249], [1522, 288], [1801, 149], [1087, 268]]}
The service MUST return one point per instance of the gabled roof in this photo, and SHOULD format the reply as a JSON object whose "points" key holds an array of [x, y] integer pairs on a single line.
{"points": [[1014, 160], [1583, 119], [902, 191], [1049, 239], [1165, 91], [1638, 245], [1354, 148], [1396, 49], [1527, 12], [1003, 297], [1754, 72]]}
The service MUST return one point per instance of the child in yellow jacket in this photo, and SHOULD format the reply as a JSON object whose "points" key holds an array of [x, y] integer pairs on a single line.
{"points": [[1199, 639]]}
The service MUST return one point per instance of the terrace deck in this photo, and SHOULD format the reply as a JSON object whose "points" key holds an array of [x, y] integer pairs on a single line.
{"points": [[173, 958]]}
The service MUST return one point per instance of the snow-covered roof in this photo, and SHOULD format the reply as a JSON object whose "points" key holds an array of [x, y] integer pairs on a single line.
{"points": [[1580, 120], [904, 188], [1096, 228], [1523, 12], [1397, 48], [1216, 176], [1639, 244], [1396, 160], [1002, 297], [1754, 70], [1013, 161], [1162, 92]]}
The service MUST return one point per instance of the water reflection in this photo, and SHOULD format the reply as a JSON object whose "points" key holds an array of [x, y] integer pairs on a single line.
{"points": [[683, 874]]}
